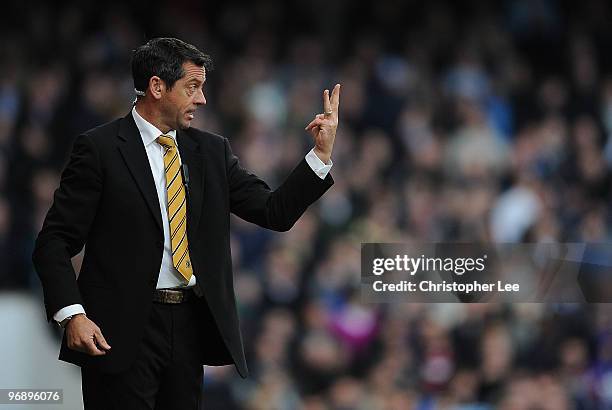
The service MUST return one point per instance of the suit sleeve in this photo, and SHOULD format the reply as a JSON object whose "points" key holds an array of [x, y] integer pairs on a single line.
{"points": [[67, 225], [252, 199]]}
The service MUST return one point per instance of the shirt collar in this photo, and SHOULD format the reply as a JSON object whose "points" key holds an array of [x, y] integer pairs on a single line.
{"points": [[148, 131]]}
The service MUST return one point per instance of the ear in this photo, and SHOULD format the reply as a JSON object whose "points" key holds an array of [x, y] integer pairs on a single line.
{"points": [[156, 87]]}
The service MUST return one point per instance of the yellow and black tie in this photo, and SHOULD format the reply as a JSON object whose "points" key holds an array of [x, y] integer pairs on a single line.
{"points": [[177, 208]]}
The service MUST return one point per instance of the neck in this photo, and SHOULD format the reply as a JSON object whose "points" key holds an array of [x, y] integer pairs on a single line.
{"points": [[152, 115]]}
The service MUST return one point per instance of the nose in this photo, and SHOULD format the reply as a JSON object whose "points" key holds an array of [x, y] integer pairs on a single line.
{"points": [[200, 99]]}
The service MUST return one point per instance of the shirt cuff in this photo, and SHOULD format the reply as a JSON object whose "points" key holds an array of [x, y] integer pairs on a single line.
{"points": [[318, 166], [70, 310]]}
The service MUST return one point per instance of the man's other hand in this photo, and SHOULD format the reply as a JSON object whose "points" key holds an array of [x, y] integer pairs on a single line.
{"points": [[85, 336]]}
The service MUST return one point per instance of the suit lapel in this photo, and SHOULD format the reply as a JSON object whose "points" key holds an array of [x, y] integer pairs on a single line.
{"points": [[135, 157], [193, 156]]}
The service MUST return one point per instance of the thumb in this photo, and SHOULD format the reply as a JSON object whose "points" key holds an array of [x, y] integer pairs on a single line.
{"points": [[101, 341]]}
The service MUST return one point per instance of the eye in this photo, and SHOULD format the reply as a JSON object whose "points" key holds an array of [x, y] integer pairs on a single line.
{"points": [[191, 89]]}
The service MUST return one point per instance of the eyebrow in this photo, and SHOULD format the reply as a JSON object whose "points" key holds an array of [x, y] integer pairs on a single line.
{"points": [[196, 80]]}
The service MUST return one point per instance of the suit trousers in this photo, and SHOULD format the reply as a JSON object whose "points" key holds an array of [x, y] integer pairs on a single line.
{"points": [[166, 374]]}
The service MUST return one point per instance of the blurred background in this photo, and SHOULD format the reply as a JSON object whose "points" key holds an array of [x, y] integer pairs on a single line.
{"points": [[478, 121]]}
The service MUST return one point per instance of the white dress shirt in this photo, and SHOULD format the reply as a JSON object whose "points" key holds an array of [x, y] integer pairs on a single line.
{"points": [[169, 277]]}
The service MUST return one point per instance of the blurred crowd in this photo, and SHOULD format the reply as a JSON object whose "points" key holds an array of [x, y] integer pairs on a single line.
{"points": [[479, 121]]}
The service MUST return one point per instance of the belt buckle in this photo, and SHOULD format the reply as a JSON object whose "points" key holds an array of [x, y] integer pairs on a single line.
{"points": [[174, 296], [170, 296]]}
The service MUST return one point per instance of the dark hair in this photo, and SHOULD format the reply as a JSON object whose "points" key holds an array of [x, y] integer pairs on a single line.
{"points": [[164, 58]]}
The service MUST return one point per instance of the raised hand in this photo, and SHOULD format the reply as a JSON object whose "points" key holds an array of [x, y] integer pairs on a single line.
{"points": [[323, 126]]}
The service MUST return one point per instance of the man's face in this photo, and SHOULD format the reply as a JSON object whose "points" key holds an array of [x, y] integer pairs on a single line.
{"points": [[180, 103]]}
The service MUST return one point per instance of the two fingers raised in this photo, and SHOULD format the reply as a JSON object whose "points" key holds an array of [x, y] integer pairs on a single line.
{"points": [[330, 108]]}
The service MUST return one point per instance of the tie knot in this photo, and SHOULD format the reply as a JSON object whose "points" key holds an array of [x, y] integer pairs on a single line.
{"points": [[166, 141]]}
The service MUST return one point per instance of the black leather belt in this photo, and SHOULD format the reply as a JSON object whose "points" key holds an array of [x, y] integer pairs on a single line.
{"points": [[173, 296]]}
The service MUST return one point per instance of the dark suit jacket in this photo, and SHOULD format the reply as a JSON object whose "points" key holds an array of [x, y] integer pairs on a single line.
{"points": [[107, 201]]}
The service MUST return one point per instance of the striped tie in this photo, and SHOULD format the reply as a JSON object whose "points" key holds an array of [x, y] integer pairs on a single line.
{"points": [[177, 208]]}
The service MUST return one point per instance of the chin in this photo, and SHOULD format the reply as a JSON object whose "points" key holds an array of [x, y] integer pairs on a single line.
{"points": [[184, 125]]}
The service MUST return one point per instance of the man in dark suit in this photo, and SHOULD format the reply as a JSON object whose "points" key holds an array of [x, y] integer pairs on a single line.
{"points": [[150, 198]]}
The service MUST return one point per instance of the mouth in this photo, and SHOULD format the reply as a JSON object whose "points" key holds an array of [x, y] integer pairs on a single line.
{"points": [[190, 114]]}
